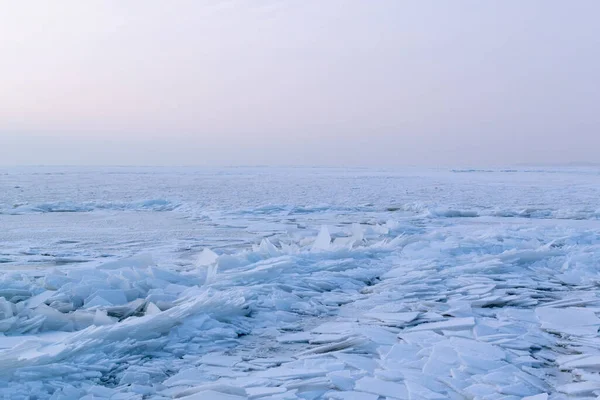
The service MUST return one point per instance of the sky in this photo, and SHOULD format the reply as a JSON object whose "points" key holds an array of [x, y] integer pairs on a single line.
{"points": [[299, 82]]}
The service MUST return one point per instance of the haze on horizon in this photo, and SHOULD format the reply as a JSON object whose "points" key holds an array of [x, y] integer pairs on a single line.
{"points": [[289, 82]]}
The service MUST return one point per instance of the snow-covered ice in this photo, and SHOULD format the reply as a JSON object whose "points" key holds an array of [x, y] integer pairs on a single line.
{"points": [[299, 283]]}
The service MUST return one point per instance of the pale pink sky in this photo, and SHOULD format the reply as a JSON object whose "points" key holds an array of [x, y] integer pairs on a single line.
{"points": [[336, 82]]}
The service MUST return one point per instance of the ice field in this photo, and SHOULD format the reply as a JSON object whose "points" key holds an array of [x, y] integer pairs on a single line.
{"points": [[299, 283]]}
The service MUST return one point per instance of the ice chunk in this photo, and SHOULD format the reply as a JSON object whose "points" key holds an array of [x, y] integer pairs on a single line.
{"points": [[402, 352], [334, 327], [343, 380], [382, 388], [83, 318], [113, 297], [418, 391], [140, 378], [327, 338], [481, 390], [572, 320], [343, 242], [300, 337], [476, 349], [291, 373], [220, 360], [167, 276], [54, 320], [541, 396], [335, 346], [100, 318], [358, 233], [55, 280], [579, 388], [139, 261], [452, 324], [263, 391], [216, 387], [268, 248], [359, 362], [351, 395], [126, 310], [14, 293], [40, 298], [213, 395], [185, 377], [211, 273], [271, 361], [206, 258], [377, 334], [393, 319], [441, 360], [6, 309], [175, 289], [6, 325], [97, 301], [102, 391], [152, 309], [323, 240]]}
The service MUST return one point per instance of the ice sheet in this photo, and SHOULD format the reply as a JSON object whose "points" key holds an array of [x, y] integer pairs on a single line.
{"points": [[299, 283]]}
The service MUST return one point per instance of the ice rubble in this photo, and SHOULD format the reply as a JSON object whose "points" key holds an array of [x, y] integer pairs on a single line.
{"points": [[430, 312]]}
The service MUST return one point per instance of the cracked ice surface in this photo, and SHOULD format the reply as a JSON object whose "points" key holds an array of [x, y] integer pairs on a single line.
{"points": [[299, 284]]}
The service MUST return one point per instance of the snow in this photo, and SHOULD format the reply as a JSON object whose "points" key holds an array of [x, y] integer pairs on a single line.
{"points": [[299, 283]]}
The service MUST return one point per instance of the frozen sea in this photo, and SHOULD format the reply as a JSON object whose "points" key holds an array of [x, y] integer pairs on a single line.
{"points": [[299, 283]]}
